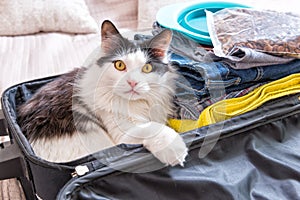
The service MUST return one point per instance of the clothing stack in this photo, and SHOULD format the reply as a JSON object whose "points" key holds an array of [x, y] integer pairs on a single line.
{"points": [[212, 89]]}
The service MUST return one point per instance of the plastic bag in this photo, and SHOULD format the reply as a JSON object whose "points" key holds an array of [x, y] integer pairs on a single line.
{"points": [[264, 31]]}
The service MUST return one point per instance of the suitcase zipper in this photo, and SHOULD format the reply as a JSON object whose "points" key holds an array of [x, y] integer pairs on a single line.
{"points": [[80, 170]]}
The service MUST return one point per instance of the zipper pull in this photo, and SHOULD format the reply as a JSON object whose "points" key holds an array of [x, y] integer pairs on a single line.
{"points": [[80, 170]]}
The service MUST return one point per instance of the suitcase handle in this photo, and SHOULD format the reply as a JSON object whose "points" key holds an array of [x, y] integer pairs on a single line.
{"points": [[12, 162]]}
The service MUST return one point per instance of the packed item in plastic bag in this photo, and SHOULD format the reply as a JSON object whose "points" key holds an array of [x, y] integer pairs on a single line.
{"points": [[264, 31]]}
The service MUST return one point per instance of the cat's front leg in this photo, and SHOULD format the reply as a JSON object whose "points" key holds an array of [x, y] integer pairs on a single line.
{"points": [[162, 141], [167, 146]]}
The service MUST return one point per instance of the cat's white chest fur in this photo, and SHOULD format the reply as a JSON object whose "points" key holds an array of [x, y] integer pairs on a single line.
{"points": [[68, 148]]}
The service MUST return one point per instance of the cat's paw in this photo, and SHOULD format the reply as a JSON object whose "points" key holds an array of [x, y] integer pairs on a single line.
{"points": [[169, 148], [174, 153]]}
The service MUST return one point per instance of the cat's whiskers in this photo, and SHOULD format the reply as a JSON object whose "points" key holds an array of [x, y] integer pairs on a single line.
{"points": [[154, 94]]}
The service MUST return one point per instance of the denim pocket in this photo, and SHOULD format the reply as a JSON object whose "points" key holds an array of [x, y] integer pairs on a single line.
{"points": [[214, 70], [220, 84]]}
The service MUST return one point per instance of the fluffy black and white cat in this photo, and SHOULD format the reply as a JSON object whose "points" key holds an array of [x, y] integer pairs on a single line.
{"points": [[124, 97]]}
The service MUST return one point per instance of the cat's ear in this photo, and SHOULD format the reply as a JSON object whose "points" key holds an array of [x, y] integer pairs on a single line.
{"points": [[108, 32], [160, 43]]}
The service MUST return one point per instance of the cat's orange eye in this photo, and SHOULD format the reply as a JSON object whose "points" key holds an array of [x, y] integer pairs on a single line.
{"points": [[147, 68], [119, 65]]}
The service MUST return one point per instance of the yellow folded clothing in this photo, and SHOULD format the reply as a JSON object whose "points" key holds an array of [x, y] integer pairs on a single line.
{"points": [[229, 108]]}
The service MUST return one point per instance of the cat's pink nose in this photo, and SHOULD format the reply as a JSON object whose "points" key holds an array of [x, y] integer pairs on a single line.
{"points": [[132, 83]]}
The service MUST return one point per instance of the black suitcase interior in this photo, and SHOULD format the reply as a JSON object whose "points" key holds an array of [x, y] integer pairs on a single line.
{"points": [[253, 156]]}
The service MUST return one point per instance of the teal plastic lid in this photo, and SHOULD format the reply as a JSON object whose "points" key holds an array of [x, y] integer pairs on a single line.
{"points": [[190, 18]]}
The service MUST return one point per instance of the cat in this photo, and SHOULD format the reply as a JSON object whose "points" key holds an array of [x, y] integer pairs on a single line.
{"points": [[124, 97]]}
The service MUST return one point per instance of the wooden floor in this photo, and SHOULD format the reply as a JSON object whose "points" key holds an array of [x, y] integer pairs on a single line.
{"points": [[11, 190]]}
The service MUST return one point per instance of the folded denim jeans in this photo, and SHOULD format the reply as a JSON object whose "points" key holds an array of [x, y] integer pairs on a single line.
{"points": [[229, 108], [218, 78]]}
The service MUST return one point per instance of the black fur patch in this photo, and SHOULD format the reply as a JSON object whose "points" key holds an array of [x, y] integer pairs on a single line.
{"points": [[49, 112]]}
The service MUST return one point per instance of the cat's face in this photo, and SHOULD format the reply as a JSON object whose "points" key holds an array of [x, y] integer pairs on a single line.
{"points": [[135, 70]]}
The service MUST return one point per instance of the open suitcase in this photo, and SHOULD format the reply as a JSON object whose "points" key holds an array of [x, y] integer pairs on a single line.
{"points": [[253, 156]]}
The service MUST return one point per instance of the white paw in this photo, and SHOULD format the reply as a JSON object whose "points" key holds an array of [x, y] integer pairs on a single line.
{"points": [[168, 147], [174, 153]]}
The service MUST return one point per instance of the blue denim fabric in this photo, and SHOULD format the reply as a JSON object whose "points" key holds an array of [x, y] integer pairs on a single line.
{"points": [[205, 78]]}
